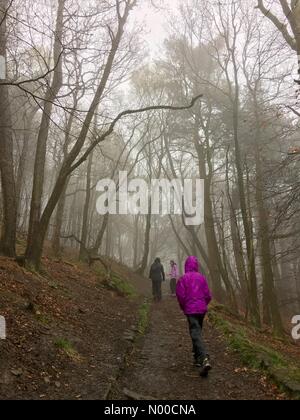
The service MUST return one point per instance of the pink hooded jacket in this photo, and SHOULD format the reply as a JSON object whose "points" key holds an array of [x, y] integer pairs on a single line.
{"points": [[174, 273], [192, 290]]}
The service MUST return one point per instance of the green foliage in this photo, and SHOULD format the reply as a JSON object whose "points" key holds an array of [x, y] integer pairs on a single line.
{"points": [[253, 354], [63, 344], [122, 287], [144, 317], [257, 356]]}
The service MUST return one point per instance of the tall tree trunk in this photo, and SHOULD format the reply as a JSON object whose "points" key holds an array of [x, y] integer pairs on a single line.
{"points": [[180, 242], [9, 227], [34, 234], [85, 221], [136, 241], [217, 271], [196, 244], [252, 279], [239, 259], [108, 242], [120, 248], [230, 280], [237, 246], [144, 263], [269, 292], [58, 224], [101, 234], [22, 163], [39, 228], [59, 217], [292, 14]]}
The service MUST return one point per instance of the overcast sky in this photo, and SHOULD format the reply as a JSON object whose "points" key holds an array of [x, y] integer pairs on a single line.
{"points": [[155, 20]]}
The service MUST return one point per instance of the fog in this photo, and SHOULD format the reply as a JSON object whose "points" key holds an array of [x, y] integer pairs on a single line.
{"points": [[193, 89]]}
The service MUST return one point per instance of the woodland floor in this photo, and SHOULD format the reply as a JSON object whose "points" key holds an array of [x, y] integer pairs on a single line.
{"points": [[70, 344], [161, 366], [69, 337]]}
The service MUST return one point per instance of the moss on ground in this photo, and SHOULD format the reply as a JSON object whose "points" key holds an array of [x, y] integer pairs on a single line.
{"points": [[116, 283], [284, 372], [66, 346], [122, 286], [144, 318]]}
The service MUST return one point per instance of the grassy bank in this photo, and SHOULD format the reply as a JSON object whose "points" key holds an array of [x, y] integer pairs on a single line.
{"points": [[255, 352], [144, 318]]}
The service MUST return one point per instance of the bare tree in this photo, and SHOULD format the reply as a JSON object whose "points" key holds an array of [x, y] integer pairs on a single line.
{"points": [[290, 32], [9, 225], [40, 157]]}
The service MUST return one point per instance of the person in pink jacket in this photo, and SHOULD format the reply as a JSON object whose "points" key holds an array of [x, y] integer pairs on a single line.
{"points": [[194, 296], [174, 276]]}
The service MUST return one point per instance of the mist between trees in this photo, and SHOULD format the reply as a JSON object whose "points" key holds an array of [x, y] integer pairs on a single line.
{"points": [[83, 101]]}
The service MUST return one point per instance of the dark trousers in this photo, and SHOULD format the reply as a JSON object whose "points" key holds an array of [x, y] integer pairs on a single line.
{"points": [[156, 290], [173, 286], [196, 326]]}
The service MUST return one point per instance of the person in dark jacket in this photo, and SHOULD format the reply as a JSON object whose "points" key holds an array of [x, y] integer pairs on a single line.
{"points": [[157, 275]]}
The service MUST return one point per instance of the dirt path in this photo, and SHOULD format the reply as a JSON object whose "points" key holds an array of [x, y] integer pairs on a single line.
{"points": [[161, 365]]}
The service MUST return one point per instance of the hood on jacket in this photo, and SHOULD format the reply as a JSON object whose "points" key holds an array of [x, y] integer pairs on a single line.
{"points": [[191, 265]]}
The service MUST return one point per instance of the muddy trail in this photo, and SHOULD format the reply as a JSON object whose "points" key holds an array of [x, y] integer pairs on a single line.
{"points": [[161, 365], [73, 336]]}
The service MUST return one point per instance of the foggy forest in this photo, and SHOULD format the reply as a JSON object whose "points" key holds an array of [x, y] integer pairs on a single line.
{"points": [[157, 89]]}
